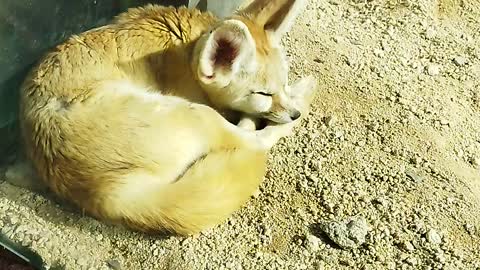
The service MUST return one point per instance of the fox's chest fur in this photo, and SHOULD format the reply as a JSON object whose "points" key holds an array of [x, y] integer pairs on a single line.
{"points": [[151, 47]]}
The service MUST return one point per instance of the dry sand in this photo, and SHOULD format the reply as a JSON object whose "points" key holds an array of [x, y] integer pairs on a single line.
{"points": [[392, 144]]}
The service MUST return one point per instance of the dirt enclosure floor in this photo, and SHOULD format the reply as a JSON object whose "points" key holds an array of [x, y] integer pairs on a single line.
{"points": [[383, 174]]}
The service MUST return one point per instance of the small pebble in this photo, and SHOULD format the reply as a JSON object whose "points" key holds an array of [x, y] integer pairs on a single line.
{"points": [[443, 122], [440, 257], [313, 179], [433, 69], [460, 61], [407, 245], [378, 53], [329, 120], [312, 242], [317, 165], [256, 193], [82, 261], [430, 33], [414, 176], [469, 228], [114, 264], [412, 261], [433, 237]]}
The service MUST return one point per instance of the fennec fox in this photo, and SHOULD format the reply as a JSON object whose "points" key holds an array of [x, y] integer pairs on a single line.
{"points": [[127, 120]]}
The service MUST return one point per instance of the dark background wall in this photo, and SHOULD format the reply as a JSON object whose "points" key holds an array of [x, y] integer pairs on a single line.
{"points": [[28, 28]]}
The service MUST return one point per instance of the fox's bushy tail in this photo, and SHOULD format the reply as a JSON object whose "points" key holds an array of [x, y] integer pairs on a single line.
{"points": [[208, 192]]}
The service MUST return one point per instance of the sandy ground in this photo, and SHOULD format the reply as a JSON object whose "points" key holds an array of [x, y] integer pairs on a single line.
{"points": [[392, 143]]}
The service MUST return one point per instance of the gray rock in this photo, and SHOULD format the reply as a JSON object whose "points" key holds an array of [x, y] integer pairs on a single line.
{"points": [[349, 233]]}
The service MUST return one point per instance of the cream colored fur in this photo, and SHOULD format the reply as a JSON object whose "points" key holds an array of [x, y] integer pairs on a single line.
{"points": [[127, 121]]}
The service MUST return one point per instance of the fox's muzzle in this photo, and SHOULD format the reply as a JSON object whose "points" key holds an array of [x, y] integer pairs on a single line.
{"points": [[295, 114], [284, 117]]}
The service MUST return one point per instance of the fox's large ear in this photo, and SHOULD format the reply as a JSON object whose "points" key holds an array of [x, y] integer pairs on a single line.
{"points": [[276, 16], [224, 51]]}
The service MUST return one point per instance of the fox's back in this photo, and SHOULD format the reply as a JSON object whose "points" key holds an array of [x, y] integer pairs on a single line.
{"points": [[121, 50], [61, 95]]}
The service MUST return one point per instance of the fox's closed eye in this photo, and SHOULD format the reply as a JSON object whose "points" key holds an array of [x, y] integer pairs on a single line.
{"points": [[263, 94]]}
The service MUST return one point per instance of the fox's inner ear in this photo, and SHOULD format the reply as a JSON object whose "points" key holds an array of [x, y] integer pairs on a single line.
{"points": [[276, 16], [223, 52]]}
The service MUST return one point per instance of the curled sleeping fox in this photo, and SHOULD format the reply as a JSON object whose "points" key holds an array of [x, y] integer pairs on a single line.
{"points": [[132, 122]]}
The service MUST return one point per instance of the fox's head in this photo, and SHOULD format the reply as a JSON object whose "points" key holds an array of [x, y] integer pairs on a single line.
{"points": [[241, 64]]}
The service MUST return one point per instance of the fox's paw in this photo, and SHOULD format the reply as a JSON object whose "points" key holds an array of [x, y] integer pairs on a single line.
{"points": [[248, 123], [273, 132]]}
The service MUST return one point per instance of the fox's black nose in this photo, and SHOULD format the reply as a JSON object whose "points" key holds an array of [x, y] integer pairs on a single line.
{"points": [[295, 115]]}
